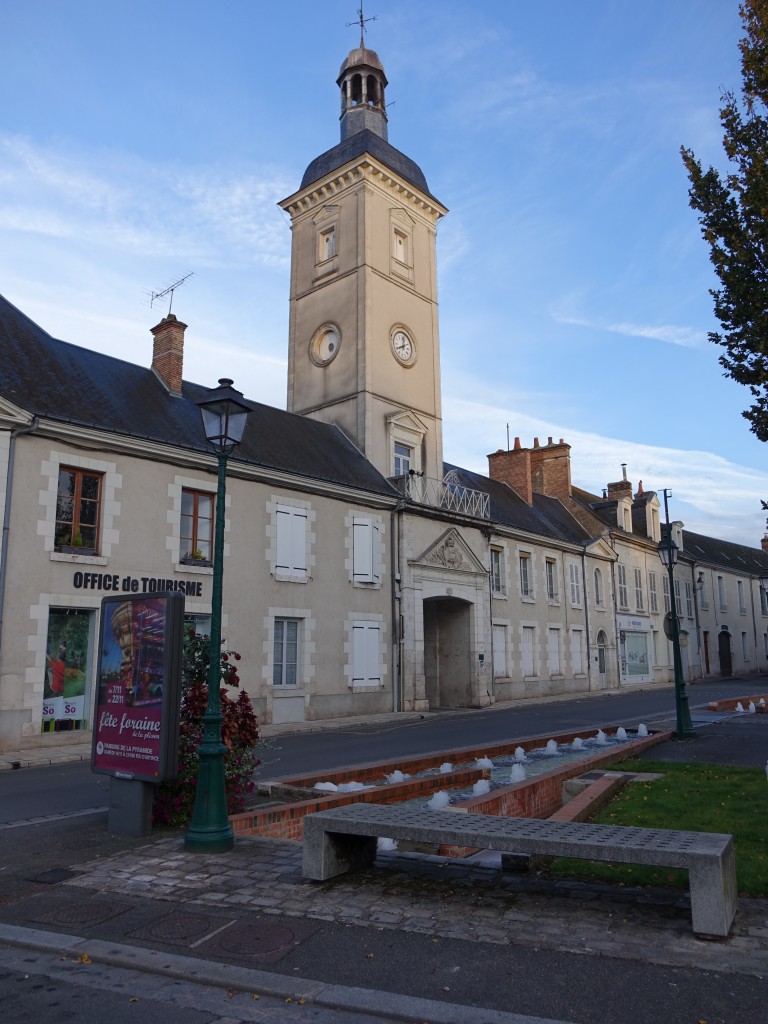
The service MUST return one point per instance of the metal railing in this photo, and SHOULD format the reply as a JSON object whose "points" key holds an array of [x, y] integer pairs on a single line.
{"points": [[446, 494]]}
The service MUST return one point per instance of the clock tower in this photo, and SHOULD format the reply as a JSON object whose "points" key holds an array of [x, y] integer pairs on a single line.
{"points": [[363, 343]]}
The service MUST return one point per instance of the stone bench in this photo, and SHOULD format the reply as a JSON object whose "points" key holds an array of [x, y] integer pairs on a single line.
{"points": [[344, 839]]}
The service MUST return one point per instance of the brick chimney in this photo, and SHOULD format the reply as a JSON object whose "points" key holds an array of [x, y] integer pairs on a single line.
{"points": [[168, 352], [621, 488], [764, 542], [551, 469], [514, 469]]}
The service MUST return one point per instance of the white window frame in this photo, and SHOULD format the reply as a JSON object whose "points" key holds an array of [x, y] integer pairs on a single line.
{"points": [[550, 568], [498, 588], [284, 625], [525, 567]]}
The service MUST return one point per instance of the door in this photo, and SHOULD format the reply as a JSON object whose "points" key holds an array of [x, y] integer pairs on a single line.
{"points": [[724, 653], [602, 640], [707, 669]]}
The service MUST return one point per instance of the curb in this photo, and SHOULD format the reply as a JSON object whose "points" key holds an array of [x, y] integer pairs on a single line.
{"points": [[412, 1009]]}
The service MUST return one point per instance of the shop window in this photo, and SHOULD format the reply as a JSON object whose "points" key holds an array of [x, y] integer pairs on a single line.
{"points": [[67, 670], [78, 509], [196, 534]]}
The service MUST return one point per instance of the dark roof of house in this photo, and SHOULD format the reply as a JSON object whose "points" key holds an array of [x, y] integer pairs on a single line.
{"points": [[546, 517], [355, 146], [737, 558], [59, 381]]}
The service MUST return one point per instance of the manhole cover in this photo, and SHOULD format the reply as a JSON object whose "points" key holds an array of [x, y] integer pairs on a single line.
{"points": [[87, 913], [259, 939], [178, 928], [53, 876]]}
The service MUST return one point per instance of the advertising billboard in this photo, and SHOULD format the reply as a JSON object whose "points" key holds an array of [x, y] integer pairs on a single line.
{"points": [[136, 720]]}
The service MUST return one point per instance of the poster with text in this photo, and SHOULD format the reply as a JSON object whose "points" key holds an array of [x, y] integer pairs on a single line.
{"points": [[136, 721]]}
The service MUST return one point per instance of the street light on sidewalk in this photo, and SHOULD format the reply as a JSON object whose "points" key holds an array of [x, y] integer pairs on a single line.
{"points": [[224, 415], [668, 552]]}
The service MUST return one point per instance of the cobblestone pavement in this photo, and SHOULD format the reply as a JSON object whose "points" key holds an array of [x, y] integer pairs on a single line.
{"points": [[435, 897]]}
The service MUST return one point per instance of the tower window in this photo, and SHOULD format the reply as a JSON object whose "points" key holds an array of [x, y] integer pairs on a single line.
{"points": [[400, 246], [403, 459], [357, 89], [327, 246]]}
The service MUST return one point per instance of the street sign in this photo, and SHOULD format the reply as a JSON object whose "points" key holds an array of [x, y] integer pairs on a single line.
{"points": [[669, 626]]}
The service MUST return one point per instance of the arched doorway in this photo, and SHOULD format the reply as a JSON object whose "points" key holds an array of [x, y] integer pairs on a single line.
{"points": [[447, 668], [724, 652], [602, 643]]}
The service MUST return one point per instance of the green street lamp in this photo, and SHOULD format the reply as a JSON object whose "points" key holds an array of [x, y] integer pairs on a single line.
{"points": [[224, 414], [668, 552]]}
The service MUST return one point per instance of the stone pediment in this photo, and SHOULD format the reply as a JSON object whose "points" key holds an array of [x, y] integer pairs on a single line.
{"points": [[451, 551], [328, 212], [601, 548], [12, 415]]}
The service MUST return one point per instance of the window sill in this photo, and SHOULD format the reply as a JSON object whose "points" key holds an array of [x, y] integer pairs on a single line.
{"points": [[289, 689], [366, 687], [284, 577], [554, 602], [499, 595], [204, 568], [528, 598], [78, 559]]}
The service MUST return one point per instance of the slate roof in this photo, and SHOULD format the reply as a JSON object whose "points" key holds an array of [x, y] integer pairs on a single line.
{"points": [[355, 146], [546, 517], [59, 381], [737, 558]]}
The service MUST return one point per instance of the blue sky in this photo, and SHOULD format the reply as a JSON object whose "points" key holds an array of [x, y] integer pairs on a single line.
{"points": [[143, 140]]}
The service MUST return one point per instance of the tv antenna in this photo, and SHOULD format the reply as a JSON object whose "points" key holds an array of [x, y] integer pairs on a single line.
{"points": [[169, 291], [361, 21]]}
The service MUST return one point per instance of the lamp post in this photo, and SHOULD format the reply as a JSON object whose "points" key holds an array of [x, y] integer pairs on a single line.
{"points": [[668, 554], [224, 415]]}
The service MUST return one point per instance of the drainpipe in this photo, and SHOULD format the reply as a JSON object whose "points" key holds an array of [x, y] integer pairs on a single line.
{"points": [[397, 640], [7, 513], [586, 616], [616, 617]]}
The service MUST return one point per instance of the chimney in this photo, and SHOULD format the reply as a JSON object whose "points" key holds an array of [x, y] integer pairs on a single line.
{"points": [[514, 469], [619, 489], [764, 542], [551, 469], [168, 352]]}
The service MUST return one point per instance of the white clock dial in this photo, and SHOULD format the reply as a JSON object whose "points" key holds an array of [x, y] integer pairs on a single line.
{"points": [[403, 346]]}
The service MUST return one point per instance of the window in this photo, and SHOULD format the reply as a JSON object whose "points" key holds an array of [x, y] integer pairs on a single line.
{"points": [[403, 459], [551, 570], [639, 599], [577, 658], [527, 650], [291, 525], [553, 651], [78, 502], [598, 588], [742, 601], [526, 580], [678, 599], [623, 598], [763, 602], [744, 647], [499, 651], [575, 583], [653, 595], [689, 599], [286, 653], [666, 593], [196, 539], [365, 551], [497, 570], [400, 246], [703, 599], [366, 660], [721, 594], [327, 246]]}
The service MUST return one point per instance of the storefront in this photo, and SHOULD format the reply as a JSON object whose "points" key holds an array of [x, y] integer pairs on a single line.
{"points": [[635, 650]]}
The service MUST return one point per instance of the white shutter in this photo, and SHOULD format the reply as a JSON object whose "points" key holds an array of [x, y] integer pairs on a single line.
{"points": [[554, 652], [291, 525], [366, 668], [499, 651], [527, 651], [573, 571], [299, 541], [576, 658], [365, 551]]}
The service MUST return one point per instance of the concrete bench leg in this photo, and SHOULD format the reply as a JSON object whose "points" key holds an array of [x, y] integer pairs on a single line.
{"points": [[327, 854], [713, 895]]}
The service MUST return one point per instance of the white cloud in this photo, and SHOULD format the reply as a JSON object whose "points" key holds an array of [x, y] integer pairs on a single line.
{"points": [[685, 337]]}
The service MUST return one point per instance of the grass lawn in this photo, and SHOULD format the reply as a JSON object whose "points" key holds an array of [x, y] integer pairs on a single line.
{"points": [[692, 798]]}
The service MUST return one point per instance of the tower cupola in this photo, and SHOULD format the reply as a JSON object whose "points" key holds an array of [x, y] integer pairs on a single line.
{"points": [[362, 83]]}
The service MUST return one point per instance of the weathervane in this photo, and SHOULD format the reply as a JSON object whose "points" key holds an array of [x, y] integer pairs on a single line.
{"points": [[169, 291], [361, 21]]}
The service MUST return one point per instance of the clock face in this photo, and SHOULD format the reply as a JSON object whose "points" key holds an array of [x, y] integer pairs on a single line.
{"points": [[402, 346], [324, 345]]}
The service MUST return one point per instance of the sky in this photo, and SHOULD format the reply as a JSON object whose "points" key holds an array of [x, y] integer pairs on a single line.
{"points": [[145, 140]]}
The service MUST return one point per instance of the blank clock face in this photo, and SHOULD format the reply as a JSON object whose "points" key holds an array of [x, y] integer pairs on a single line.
{"points": [[402, 346], [324, 345]]}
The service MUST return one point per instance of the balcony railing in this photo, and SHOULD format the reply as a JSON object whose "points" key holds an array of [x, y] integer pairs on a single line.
{"points": [[447, 494]]}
